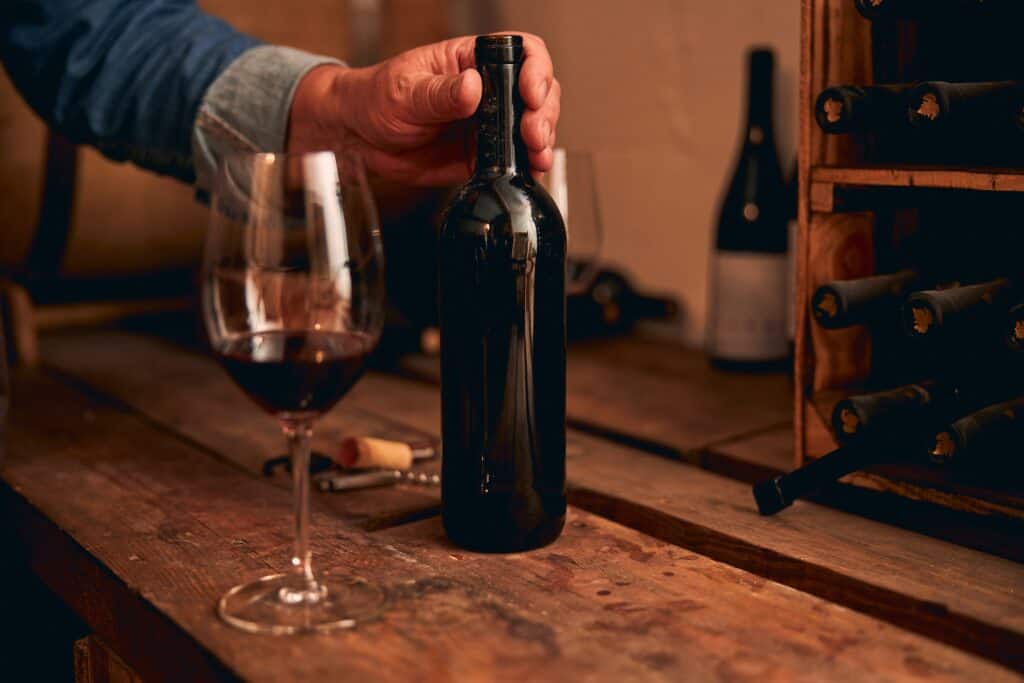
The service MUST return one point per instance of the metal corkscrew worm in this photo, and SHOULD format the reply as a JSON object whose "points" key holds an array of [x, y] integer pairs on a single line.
{"points": [[349, 482]]}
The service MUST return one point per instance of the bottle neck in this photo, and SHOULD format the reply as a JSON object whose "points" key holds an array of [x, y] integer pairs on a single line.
{"points": [[499, 144], [759, 104]]}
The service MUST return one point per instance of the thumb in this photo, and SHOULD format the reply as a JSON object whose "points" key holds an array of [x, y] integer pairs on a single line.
{"points": [[441, 99]]}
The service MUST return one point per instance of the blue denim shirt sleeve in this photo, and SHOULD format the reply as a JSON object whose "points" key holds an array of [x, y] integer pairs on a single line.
{"points": [[247, 107], [124, 75], [129, 76]]}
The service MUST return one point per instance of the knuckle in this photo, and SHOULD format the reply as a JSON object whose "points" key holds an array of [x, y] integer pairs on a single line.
{"points": [[398, 89]]}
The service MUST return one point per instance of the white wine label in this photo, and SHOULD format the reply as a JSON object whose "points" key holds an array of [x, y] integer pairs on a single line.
{"points": [[748, 306]]}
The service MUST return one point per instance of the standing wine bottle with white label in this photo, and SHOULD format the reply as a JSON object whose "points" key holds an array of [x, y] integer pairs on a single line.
{"points": [[747, 327]]}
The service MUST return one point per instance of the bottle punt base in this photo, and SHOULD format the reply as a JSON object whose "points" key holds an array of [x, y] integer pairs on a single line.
{"points": [[479, 539]]}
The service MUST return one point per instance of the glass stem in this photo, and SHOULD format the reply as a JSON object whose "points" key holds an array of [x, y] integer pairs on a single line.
{"points": [[299, 435]]}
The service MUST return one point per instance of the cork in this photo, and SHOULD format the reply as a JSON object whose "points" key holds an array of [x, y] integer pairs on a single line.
{"points": [[850, 421], [923, 319], [944, 448], [828, 306], [929, 107], [367, 452], [833, 110]]}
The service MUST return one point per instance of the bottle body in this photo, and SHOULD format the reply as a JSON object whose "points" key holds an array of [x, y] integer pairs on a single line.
{"points": [[748, 284], [502, 313]]}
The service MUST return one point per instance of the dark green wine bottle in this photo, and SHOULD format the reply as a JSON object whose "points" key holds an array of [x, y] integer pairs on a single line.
{"points": [[502, 311], [748, 288]]}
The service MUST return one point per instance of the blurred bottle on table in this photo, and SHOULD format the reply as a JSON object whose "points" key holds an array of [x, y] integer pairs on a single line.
{"points": [[747, 316]]}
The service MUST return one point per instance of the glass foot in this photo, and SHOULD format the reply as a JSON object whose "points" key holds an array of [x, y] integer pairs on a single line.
{"points": [[283, 604]]}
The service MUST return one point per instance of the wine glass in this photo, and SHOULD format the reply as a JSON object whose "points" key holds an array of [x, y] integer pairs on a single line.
{"points": [[293, 294], [573, 175]]}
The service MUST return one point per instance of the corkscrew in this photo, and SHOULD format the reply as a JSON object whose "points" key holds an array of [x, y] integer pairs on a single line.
{"points": [[364, 480]]}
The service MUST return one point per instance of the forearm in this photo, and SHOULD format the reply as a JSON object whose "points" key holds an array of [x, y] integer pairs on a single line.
{"points": [[124, 76], [249, 106]]}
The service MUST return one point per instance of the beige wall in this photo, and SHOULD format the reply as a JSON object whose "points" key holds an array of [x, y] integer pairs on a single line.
{"points": [[655, 89], [652, 87]]}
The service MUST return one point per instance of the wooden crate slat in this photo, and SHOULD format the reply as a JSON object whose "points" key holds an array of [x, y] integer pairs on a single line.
{"points": [[904, 176], [811, 547], [168, 528]]}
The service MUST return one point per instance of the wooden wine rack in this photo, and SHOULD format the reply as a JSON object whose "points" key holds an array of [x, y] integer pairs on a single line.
{"points": [[834, 243]]}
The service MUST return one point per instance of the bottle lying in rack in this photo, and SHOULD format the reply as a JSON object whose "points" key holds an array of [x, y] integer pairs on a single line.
{"points": [[932, 122], [888, 427], [860, 108], [842, 303], [611, 305], [988, 439], [934, 105], [856, 419], [958, 313]]}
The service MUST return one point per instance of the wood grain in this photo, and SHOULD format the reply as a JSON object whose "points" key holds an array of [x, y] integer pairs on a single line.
{"points": [[156, 529], [16, 306], [767, 448], [199, 402], [840, 48], [96, 663], [840, 247], [946, 591], [806, 156], [958, 179]]}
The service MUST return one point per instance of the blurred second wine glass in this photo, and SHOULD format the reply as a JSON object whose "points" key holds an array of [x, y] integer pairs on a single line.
{"points": [[572, 183]]}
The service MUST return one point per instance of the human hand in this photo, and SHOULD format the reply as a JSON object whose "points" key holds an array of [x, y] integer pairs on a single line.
{"points": [[408, 114]]}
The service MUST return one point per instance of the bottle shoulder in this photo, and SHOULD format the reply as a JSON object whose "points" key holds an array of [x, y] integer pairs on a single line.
{"points": [[515, 202]]}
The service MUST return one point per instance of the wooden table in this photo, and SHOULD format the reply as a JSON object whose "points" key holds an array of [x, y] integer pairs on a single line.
{"points": [[132, 490]]}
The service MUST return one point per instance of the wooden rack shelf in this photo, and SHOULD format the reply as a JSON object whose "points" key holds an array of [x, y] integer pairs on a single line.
{"points": [[842, 235], [1001, 180]]}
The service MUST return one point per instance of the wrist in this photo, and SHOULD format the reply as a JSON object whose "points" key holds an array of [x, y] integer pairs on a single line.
{"points": [[317, 119]]}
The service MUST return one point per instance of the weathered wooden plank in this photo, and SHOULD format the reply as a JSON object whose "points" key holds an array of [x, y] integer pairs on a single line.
{"points": [[168, 528], [991, 180], [874, 567], [189, 395], [769, 448], [946, 591]]}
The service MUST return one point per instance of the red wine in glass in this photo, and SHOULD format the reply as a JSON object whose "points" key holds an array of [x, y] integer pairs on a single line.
{"points": [[296, 373]]}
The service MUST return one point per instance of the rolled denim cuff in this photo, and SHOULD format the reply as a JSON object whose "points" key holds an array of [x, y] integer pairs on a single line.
{"points": [[246, 108]]}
